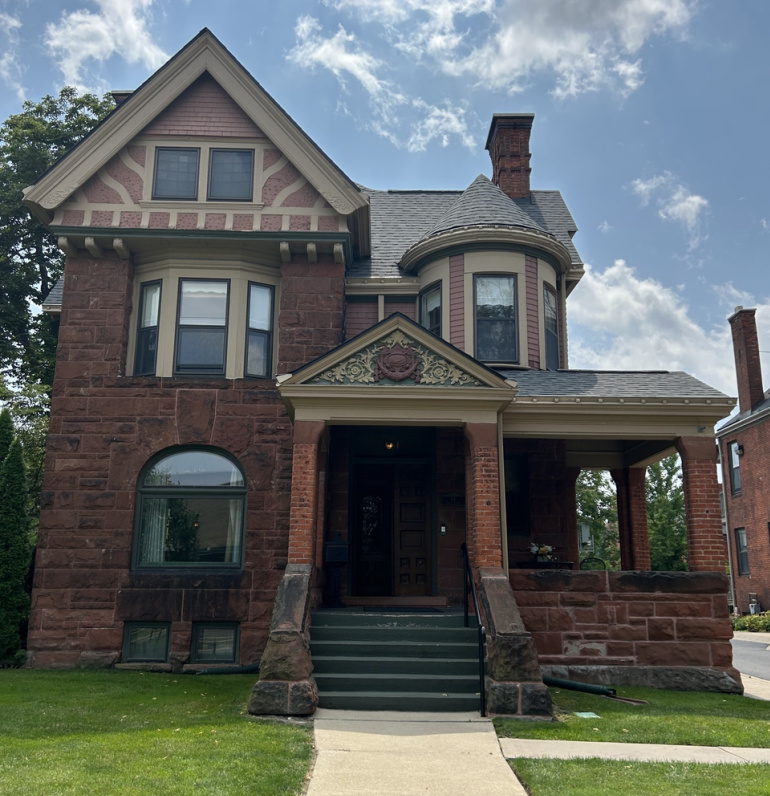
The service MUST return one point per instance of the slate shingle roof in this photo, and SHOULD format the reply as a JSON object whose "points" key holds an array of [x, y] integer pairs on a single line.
{"points": [[761, 408], [610, 384], [399, 219], [53, 299]]}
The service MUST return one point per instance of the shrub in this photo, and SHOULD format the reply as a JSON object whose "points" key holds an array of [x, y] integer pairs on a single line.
{"points": [[754, 623]]}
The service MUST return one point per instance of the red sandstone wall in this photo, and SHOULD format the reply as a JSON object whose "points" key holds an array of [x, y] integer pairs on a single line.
{"points": [[750, 509], [626, 618]]}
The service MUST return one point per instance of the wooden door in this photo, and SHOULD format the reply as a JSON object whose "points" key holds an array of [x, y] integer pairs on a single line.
{"points": [[411, 529], [372, 530]]}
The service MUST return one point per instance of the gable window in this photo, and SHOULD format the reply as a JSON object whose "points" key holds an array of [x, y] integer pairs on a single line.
{"points": [[734, 462], [145, 642], [496, 339], [215, 642], [201, 335], [551, 329], [259, 341], [147, 329], [742, 551], [430, 309], [190, 511], [231, 174], [176, 173]]}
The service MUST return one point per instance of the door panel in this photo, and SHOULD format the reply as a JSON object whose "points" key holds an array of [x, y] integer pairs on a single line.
{"points": [[373, 530], [411, 512]]}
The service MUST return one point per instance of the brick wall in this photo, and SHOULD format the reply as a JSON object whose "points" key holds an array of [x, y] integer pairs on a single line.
{"points": [[627, 619], [750, 509], [483, 496]]}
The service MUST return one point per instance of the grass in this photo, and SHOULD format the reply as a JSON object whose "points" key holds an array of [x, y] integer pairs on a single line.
{"points": [[612, 777], [113, 732], [671, 717]]}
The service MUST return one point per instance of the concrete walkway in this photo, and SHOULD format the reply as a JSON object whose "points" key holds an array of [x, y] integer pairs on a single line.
{"points": [[405, 754]]}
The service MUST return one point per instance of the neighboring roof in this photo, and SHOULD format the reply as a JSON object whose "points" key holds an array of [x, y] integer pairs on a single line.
{"points": [[746, 418], [483, 204], [52, 301], [610, 384], [400, 219]]}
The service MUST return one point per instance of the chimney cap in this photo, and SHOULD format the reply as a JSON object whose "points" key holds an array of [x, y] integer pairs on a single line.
{"points": [[508, 120]]}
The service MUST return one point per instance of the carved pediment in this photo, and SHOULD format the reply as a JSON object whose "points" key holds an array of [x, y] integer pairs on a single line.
{"points": [[397, 358]]}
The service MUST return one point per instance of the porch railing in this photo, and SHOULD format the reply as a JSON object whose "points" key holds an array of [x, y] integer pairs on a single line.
{"points": [[470, 586]]}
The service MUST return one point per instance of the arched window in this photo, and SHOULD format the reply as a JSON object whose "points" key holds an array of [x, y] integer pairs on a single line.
{"points": [[190, 510]]}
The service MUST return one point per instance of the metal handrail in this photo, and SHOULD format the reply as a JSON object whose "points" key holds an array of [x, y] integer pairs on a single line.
{"points": [[469, 584]]}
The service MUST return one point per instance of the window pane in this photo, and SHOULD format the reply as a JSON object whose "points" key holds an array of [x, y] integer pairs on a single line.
{"points": [[735, 468], [147, 643], [215, 643], [549, 305], [551, 330], [430, 310], [150, 305], [203, 303], [258, 355], [194, 468], [190, 530], [741, 548], [494, 296], [230, 174], [496, 318], [146, 349], [201, 350], [260, 305], [176, 174]]}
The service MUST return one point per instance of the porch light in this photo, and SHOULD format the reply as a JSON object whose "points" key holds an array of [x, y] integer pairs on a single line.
{"points": [[391, 446]]}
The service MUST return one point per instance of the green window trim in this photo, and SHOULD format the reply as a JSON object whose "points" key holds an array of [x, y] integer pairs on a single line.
{"points": [[215, 642], [146, 642]]}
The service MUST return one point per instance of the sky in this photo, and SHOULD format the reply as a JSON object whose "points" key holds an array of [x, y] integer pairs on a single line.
{"points": [[651, 117]]}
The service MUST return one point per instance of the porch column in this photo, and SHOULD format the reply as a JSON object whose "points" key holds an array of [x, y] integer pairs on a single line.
{"points": [[485, 544], [303, 518], [632, 518], [706, 544]]}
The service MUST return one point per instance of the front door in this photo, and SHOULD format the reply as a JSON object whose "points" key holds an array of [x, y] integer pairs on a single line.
{"points": [[391, 523]]}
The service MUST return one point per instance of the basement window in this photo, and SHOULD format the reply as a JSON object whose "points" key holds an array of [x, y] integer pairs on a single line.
{"points": [[146, 642], [215, 642]]}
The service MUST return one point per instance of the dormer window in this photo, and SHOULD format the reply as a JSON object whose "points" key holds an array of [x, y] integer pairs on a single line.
{"points": [[496, 339], [176, 173], [231, 174]]}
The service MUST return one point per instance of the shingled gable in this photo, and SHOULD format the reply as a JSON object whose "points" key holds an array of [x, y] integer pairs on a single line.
{"points": [[204, 54], [436, 380]]}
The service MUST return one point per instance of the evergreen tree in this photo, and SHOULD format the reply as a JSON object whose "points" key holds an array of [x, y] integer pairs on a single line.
{"points": [[6, 433], [597, 507], [15, 552], [666, 516]]}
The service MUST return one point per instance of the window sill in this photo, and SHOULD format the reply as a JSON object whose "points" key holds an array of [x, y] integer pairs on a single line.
{"points": [[212, 205]]}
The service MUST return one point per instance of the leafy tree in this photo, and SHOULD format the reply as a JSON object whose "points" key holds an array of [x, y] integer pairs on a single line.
{"points": [[597, 507], [6, 432], [15, 552], [666, 517], [30, 263]]}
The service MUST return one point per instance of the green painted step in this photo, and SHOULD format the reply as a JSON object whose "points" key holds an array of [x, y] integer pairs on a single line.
{"points": [[373, 700], [394, 633], [394, 683], [398, 649], [323, 664], [348, 618]]}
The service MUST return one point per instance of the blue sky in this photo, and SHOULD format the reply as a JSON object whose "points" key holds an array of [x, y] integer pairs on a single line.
{"points": [[652, 119]]}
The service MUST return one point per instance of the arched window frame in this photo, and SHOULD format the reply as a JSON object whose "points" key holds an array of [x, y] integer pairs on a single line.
{"points": [[236, 495]]}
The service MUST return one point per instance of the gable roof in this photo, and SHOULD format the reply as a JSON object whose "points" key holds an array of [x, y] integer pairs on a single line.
{"points": [[204, 54]]}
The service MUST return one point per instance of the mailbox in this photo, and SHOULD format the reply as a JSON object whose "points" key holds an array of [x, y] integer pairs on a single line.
{"points": [[336, 551]]}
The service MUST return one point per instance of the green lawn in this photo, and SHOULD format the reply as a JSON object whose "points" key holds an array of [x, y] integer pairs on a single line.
{"points": [[671, 717], [113, 732], [616, 778]]}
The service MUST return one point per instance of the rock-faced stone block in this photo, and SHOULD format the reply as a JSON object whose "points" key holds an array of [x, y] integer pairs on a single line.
{"points": [[502, 698], [536, 700], [512, 658]]}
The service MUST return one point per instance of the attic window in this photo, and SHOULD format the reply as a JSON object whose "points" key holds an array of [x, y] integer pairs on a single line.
{"points": [[231, 174], [176, 173]]}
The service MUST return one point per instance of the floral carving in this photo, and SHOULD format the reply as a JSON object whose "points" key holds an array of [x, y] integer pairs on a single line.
{"points": [[397, 358]]}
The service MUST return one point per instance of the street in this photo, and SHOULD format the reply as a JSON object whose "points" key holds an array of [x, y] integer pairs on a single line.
{"points": [[751, 653]]}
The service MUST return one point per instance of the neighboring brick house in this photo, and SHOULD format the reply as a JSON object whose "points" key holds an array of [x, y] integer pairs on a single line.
{"points": [[744, 443], [257, 357]]}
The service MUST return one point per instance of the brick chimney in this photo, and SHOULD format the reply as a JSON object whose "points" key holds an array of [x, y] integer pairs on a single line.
{"points": [[747, 365], [508, 146]]}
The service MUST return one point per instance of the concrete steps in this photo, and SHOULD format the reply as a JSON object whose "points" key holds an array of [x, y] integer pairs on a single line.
{"points": [[411, 661]]}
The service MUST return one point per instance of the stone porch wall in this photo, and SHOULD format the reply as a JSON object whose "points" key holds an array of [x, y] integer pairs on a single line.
{"points": [[665, 629]]}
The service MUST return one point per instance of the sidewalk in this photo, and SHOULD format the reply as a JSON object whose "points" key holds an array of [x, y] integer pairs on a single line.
{"points": [[404, 754]]}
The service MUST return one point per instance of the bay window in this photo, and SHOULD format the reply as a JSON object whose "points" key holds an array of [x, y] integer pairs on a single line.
{"points": [[201, 336], [147, 329], [430, 309], [259, 340], [495, 300]]}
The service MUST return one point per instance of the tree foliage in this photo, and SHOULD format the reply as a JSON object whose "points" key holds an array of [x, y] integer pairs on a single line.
{"points": [[666, 517], [15, 551], [597, 507], [30, 263]]}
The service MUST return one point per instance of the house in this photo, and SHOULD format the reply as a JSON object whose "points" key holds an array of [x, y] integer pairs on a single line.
{"points": [[263, 366], [744, 445]]}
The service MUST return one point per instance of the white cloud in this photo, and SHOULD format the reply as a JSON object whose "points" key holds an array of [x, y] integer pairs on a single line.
{"points": [[621, 322], [392, 110], [119, 27], [11, 68], [675, 202], [604, 227], [585, 45], [765, 224]]}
